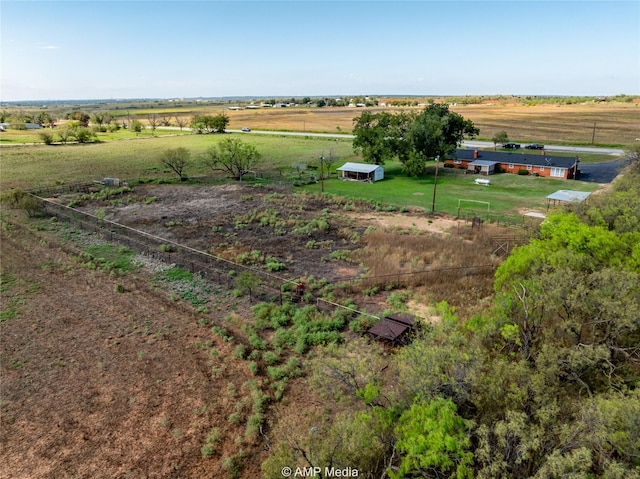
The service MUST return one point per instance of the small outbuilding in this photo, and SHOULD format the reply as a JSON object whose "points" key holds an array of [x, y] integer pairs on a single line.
{"points": [[361, 172], [393, 328]]}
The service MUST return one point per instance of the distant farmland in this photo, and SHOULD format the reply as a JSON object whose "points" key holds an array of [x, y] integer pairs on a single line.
{"points": [[615, 124]]}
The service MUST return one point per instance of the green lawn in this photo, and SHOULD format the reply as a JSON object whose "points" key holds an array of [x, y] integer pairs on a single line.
{"points": [[507, 194]]}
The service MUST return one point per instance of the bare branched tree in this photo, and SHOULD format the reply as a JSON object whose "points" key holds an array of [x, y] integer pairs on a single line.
{"points": [[182, 121], [176, 159]]}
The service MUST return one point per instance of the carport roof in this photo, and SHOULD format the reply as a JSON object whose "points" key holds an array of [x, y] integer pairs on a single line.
{"points": [[569, 195]]}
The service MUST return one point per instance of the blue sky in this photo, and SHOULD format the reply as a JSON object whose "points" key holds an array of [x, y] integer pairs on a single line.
{"points": [[53, 50]]}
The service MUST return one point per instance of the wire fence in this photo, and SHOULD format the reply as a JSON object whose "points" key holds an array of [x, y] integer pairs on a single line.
{"points": [[268, 286]]}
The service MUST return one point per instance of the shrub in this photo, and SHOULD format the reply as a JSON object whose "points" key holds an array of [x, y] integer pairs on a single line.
{"points": [[13, 196], [213, 438], [234, 464], [341, 254], [253, 426], [46, 137], [523, 172], [273, 264], [240, 351], [269, 357], [399, 300], [254, 339], [31, 205]]}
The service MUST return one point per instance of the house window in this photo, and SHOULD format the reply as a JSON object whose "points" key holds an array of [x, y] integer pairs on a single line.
{"points": [[542, 168], [528, 167], [511, 166], [557, 172], [457, 162]]}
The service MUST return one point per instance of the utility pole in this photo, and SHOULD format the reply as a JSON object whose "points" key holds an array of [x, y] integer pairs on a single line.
{"points": [[593, 135], [435, 183]]}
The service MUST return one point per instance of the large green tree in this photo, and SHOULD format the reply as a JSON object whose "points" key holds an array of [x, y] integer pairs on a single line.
{"points": [[413, 139], [380, 136], [436, 132]]}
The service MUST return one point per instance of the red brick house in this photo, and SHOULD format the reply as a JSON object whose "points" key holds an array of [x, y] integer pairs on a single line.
{"points": [[540, 164]]}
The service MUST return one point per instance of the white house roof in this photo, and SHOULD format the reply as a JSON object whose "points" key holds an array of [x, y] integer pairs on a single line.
{"points": [[358, 167], [569, 195]]}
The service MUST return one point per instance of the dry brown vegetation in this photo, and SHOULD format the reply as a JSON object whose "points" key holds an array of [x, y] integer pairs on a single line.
{"points": [[616, 123], [111, 376]]}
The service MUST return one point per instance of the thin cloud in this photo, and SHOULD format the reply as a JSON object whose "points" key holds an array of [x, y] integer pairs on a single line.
{"points": [[49, 47]]}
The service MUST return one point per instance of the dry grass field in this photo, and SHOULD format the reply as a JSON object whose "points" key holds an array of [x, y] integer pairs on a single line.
{"points": [[616, 123]]}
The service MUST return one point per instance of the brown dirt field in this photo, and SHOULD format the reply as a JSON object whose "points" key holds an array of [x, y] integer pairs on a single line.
{"points": [[102, 384], [190, 214], [99, 383]]}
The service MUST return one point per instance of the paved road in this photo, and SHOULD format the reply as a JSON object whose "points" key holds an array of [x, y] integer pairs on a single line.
{"points": [[467, 144], [569, 149]]}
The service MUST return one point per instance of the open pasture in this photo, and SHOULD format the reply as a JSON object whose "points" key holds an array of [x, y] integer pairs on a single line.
{"points": [[36, 166]]}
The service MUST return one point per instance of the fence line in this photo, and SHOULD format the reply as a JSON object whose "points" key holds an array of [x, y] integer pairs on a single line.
{"points": [[320, 302], [196, 261]]}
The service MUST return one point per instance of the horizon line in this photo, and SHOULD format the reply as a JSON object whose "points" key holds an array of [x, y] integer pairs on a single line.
{"points": [[228, 97]]}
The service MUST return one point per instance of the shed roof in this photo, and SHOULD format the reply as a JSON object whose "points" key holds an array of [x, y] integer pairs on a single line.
{"points": [[358, 167], [388, 329], [404, 318], [569, 195]]}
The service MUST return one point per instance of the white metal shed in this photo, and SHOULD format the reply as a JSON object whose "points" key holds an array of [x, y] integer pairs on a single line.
{"points": [[361, 172]]}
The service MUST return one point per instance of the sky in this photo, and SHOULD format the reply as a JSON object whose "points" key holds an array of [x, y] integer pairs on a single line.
{"points": [[110, 49]]}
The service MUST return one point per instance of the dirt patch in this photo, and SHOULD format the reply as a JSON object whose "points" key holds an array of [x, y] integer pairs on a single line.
{"points": [[408, 222], [101, 383], [233, 221]]}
